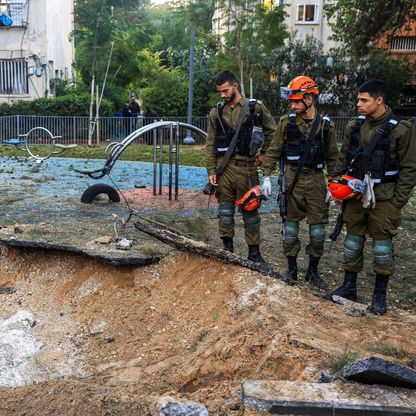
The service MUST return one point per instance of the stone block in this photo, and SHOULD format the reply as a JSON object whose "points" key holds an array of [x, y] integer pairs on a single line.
{"points": [[322, 399], [376, 370]]}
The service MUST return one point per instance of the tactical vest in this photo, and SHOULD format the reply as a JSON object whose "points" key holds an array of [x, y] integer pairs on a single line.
{"points": [[296, 142], [225, 133], [379, 164]]}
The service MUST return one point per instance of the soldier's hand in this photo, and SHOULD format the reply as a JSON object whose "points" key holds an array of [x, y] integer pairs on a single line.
{"points": [[266, 186], [213, 180], [260, 159]]}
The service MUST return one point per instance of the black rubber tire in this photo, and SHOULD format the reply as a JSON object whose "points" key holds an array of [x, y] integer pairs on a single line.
{"points": [[99, 188]]}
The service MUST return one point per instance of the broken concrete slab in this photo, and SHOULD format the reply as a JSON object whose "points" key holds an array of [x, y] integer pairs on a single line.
{"points": [[108, 257], [376, 370], [321, 399]]}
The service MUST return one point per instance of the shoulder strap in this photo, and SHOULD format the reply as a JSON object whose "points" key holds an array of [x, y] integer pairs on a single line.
{"points": [[231, 147], [384, 130], [305, 154]]}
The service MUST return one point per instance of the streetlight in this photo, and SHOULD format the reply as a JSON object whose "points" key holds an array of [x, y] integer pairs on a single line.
{"points": [[189, 139]]}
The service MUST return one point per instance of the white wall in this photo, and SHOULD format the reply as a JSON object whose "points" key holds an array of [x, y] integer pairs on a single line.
{"points": [[43, 43]]}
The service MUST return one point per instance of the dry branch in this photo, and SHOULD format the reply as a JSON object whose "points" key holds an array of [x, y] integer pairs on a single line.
{"points": [[189, 245]]}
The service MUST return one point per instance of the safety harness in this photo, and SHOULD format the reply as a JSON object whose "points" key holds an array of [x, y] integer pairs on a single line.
{"points": [[225, 132], [296, 142], [376, 159]]}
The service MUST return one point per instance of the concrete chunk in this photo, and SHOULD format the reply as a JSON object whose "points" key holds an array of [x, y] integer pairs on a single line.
{"points": [[376, 370], [321, 399]]}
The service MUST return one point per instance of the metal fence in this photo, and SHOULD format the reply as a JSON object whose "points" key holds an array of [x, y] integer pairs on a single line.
{"points": [[74, 130]]}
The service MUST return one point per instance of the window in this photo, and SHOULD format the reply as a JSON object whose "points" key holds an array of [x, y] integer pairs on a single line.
{"points": [[13, 77], [307, 13], [17, 11], [403, 43]]}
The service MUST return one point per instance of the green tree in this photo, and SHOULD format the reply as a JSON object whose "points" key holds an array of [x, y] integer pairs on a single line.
{"points": [[253, 32], [359, 24]]}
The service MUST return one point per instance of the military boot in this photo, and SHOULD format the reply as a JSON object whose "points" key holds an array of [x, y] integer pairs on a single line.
{"points": [[254, 254], [228, 244], [379, 302], [312, 275], [292, 268], [348, 289]]}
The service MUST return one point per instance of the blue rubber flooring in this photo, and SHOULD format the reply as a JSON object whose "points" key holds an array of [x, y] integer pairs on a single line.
{"points": [[57, 177]]}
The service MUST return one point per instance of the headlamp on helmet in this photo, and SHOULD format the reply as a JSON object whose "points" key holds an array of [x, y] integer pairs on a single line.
{"points": [[346, 187]]}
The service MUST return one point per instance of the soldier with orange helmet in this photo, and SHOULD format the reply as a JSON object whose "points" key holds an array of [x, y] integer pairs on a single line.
{"points": [[307, 143]]}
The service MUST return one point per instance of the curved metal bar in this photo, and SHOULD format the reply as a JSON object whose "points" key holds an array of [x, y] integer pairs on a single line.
{"points": [[117, 150]]}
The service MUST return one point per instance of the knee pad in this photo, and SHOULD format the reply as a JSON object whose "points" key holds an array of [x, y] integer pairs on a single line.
{"points": [[383, 252], [317, 235], [291, 233], [226, 214], [252, 222], [353, 246]]}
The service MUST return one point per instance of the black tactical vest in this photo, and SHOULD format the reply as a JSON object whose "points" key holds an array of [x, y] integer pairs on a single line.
{"points": [[379, 164], [296, 142], [225, 133]]}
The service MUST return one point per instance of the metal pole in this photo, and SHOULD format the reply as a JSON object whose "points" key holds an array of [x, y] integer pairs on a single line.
{"points": [[170, 159], [160, 159], [177, 162], [189, 139], [155, 148]]}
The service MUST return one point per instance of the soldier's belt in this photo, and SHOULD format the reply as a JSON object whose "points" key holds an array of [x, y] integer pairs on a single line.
{"points": [[306, 171]]}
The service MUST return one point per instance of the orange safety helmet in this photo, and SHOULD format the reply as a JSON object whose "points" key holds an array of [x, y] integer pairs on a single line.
{"points": [[298, 87], [251, 199], [345, 188]]}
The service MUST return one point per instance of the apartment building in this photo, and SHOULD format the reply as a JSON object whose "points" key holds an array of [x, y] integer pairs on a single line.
{"points": [[306, 17], [35, 47]]}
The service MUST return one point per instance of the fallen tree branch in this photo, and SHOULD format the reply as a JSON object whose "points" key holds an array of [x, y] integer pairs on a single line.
{"points": [[189, 245]]}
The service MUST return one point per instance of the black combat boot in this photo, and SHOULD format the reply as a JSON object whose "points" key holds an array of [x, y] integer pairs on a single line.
{"points": [[348, 289], [254, 254], [292, 268], [228, 244], [379, 302], [312, 275]]}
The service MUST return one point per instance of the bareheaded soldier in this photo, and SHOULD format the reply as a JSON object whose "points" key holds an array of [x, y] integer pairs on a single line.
{"points": [[252, 127], [306, 142], [379, 149]]}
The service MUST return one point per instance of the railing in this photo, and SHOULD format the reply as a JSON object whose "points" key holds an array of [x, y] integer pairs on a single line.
{"points": [[74, 130], [17, 11]]}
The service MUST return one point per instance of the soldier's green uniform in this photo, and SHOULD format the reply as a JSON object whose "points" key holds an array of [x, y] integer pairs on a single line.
{"points": [[308, 196], [240, 173], [391, 194]]}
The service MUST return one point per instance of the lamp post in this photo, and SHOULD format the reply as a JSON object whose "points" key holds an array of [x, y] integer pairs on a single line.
{"points": [[189, 139]]}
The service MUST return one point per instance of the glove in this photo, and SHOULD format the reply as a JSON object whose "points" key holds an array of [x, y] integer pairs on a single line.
{"points": [[369, 199], [266, 186]]}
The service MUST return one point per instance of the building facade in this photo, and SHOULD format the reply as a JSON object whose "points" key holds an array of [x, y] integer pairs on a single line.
{"points": [[35, 48], [305, 17]]}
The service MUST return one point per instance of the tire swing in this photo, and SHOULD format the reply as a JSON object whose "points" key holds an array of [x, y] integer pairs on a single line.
{"points": [[99, 188]]}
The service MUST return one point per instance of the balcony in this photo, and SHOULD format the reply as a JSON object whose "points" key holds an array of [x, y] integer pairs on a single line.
{"points": [[17, 11]]}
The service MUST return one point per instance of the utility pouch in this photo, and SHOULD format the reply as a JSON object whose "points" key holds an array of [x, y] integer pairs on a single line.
{"points": [[257, 140], [377, 165], [222, 144]]}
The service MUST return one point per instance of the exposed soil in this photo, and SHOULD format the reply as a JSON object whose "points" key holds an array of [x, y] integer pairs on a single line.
{"points": [[111, 340], [114, 339]]}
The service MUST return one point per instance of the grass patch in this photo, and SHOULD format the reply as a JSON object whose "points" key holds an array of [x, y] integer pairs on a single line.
{"points": [[337, 361], [188, 155], [389, 350]]}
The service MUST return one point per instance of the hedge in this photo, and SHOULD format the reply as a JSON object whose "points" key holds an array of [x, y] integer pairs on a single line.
{"points": [[67, 105]]}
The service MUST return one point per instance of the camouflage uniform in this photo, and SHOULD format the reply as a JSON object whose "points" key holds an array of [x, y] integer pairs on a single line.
{"points": [[308, 197], [240, 173]]}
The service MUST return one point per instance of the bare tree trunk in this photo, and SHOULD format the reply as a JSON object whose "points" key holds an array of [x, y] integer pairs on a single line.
{"points": [[184, 243]]}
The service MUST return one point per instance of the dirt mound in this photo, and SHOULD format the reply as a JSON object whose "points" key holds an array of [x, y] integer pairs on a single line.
{"points": [[114, 338]]}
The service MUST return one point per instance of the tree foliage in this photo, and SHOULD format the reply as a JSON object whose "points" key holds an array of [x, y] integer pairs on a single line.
{"points": [[359, 24]]}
